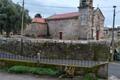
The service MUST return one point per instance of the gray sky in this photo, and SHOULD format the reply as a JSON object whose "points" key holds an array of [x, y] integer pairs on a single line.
{"points": [[50, 7]]}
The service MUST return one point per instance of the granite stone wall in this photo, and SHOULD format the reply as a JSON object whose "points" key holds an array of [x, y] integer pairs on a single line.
{"points": [[89, 51], [36, 30], [69, 28]]}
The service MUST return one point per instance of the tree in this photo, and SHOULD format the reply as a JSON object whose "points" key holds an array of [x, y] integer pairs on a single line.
{"points": [[10, 17], [38, 16], [2, 21]]}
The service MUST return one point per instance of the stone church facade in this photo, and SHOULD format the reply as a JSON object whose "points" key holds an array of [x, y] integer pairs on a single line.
{"points": [[87, 23]]}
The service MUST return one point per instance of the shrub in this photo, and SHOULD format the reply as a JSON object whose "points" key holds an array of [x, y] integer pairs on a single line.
{"points": [[33, 70], [19, 69], [43, 71], [90, 77]]}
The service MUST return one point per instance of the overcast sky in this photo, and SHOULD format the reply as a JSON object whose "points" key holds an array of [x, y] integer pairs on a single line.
{"points": [[49, 7]]}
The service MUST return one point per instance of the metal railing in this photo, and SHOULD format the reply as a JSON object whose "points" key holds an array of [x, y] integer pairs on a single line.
{"points": [[43, 60]]}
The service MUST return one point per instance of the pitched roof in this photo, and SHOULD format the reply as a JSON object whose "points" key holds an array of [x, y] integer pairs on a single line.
{"points": [[64, 16], [38, 20], [98, 9]]}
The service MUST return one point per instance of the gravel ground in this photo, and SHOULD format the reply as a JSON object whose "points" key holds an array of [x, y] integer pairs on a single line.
{"points": [[7, 76]]}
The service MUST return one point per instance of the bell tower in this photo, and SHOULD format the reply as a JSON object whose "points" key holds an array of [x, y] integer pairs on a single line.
{"points": [[86, 18], [86, 3]]}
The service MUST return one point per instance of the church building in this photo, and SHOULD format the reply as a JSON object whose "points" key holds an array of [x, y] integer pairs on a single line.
{"points": [[87, 23]]}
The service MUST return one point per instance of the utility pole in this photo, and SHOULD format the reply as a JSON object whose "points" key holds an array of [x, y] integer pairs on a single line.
{"points": [[22, 26], [113, 35]]}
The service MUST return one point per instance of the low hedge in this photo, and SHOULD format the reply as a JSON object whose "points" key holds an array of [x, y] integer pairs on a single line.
{"points": [[19, 69], [90, 77], [33, 70]]}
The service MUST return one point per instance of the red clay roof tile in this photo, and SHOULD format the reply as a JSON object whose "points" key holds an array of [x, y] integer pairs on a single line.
{"points": [[38, 20], [64, 16]]}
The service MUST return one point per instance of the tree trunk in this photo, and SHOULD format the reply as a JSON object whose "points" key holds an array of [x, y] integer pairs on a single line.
{"points": [[1, 30]]}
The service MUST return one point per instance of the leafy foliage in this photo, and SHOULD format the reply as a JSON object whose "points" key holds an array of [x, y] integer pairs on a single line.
{"points": [[38, 15], [89, 77], [10, 17], [34, 70], [19, 69]]}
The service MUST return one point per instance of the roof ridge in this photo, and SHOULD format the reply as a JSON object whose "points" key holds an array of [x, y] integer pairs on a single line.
{"points": [[64, 15], [38, 20]]}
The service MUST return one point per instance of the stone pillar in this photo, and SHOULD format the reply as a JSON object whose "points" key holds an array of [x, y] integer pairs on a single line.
{"points": [[103, 71]]}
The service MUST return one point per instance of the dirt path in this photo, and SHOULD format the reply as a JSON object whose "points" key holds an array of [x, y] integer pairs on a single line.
{"points": [[7, 76]]}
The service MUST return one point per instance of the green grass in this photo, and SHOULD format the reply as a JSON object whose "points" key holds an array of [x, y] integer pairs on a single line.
{"points": [[5, 69], [89, 77], [33, 70]]}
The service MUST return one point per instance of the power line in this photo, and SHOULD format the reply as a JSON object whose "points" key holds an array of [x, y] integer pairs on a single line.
{"points": [[35, 4], [118, 12], [103, 8], [52, 6]]}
